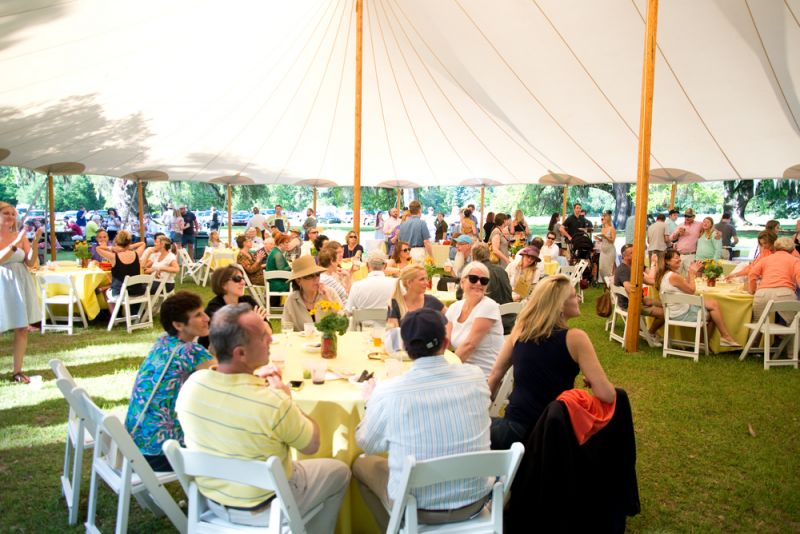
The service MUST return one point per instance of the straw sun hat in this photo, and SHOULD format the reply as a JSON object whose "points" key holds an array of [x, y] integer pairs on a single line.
{"points": [[303, 266]]}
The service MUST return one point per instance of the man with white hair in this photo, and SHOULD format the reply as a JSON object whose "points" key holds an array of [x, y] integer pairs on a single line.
{"points": [[374, 291]]}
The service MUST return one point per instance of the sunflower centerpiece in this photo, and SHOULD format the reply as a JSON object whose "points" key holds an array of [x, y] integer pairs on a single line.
{"points": [[82, 253], [712, 270], [330, 322]]}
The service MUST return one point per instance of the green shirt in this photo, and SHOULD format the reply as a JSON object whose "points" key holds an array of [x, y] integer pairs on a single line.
{"points": [[276, 261], [709, 248], [91, 230]]}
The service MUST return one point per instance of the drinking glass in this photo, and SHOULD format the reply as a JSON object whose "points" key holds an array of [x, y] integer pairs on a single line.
{"points": [[309, 329], [287, 327], [377, 335]]}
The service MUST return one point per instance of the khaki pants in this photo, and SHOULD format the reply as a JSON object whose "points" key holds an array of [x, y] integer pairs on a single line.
{"points": [[372, 474], [763, 296]]}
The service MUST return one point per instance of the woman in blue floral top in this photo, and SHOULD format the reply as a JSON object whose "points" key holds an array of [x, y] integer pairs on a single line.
{"points": [[151, 416]]}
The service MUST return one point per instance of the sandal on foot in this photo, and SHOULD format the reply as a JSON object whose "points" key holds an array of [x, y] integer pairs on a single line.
{"points": [[725, 343], [20, 378]]}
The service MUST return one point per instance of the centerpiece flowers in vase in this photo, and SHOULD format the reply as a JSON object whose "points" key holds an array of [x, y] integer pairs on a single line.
{"points": [[711, 270], [516, 246], [82, 253], [330, 323]]}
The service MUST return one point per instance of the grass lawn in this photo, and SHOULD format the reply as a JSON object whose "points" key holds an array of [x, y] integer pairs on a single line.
{"points": [[700, 468]]}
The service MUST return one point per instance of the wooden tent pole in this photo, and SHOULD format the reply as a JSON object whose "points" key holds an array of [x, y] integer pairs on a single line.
{"points": [[643, 178], [314, 204], [399, 198], [564, 207], [357, 162], [230, 218], [483, 193], [672, 195], [51, 201], [141, 210]]}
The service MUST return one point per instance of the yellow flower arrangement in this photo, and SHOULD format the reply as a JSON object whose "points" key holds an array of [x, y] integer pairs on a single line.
{"points": [[712, 269], [82, 251], [331, 320]]}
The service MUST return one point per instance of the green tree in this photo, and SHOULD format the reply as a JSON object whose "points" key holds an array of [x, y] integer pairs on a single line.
{"points": [[8, 186], [74, 192]]}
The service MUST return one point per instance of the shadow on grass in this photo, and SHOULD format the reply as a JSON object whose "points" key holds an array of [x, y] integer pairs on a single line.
{"points": [[49, 412], [88, 370]]}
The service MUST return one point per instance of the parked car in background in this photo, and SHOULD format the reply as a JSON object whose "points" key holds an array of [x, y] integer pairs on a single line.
{"points": [[240, 218], [203, 218], [330, 220], [347, 216]]}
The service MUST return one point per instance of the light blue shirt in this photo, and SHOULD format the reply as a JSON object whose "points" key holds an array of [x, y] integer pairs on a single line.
{"points": [[709, 248], [435, 409], [414, 232]]}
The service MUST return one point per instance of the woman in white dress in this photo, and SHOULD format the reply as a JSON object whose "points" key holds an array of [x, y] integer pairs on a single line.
{"points": [[20, 303], [608, 252]]}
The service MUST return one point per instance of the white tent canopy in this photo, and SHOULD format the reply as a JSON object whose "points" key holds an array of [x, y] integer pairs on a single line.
{"points": [[455, 91]]}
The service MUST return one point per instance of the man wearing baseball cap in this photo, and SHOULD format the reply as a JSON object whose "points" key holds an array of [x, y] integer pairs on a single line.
{"points": [[685, 238], [434, 409]]}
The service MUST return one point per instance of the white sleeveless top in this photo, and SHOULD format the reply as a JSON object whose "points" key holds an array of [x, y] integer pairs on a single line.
{"points": [[164, 276], [675, 310]]}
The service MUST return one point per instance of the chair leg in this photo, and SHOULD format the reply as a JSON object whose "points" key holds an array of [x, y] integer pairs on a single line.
{"points": [[767, 351], [124, 503], [92, 508], [70, 311], [77, 467], [114, 315]]}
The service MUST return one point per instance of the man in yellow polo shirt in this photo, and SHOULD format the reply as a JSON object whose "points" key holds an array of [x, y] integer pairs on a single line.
{"points": [[232, 412]]}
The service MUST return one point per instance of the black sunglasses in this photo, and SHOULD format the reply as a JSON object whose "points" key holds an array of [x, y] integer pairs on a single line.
{"points": [[310, 276], [406, 250], [237, 278], [474, 279]]}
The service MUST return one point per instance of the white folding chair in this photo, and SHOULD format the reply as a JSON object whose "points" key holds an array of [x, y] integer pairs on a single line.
{"points": [[79, 438], [377, 315], [144, 318], [575, 277], [269, 475], [500, 464], [501, 399], [275, 312], [221, 258], [193, 269], [70, 300], [699, 324], [161, 294], [118, 461], [257, 292], [766, 327], [510, 307]]}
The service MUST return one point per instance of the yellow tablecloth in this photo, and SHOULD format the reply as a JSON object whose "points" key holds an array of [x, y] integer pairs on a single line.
{"points": [[440, 253], [359, 274], [550, 267], [85, 281], [220, 257], [337, 406], [446, 297]]}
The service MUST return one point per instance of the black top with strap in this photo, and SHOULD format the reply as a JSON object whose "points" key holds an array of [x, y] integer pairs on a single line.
{"points": [[120, 270]]}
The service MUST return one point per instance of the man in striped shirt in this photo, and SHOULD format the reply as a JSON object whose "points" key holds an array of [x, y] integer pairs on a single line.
{"points": [[435, 409], [231, 412]]}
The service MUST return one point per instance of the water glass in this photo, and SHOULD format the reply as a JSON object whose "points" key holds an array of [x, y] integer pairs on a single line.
{"points": [[309, 329], [287, 327]]}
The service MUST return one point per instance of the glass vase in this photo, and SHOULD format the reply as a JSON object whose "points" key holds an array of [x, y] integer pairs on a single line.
{"points": [[330, 345]]}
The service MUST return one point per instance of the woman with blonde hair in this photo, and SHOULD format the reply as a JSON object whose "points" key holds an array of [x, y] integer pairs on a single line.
{"points": [[608, 252], [520, 225], [17, 287], [124, 258], [409, 295], [213, 240], [547, 355], [468, 226], [709, 244]]}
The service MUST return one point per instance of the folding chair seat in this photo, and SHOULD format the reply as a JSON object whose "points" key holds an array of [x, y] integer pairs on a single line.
{"points": [[284, 514], [700, 326], [257, 292], [79, 438], [377, 315], [70, 300], [275, 312], [161, 294], [416, 474], [118, 461], [196, 270], [144, 317], [766, 327], [498, 406]]}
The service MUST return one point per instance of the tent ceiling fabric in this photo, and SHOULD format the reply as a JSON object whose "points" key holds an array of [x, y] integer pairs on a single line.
{"points": [[456, 91]]}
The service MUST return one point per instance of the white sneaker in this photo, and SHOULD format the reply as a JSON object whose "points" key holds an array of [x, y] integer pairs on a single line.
{"points": [[652, 340]]}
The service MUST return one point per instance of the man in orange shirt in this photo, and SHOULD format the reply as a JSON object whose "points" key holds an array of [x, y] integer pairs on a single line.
{"points": [[779, 275]]}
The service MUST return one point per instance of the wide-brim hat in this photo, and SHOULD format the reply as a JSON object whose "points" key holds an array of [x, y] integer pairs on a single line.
{"points": [[303, 266], [530, 251], [688, 213]]}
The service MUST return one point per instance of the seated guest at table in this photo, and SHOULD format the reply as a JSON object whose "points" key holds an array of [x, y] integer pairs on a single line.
{"points": [[75, 231], [374, 291], [547, 355], [254, 236], [776, 277], [124, 258], [250, 262], [319, 243], [525, 273], [229, 412], [162, 263], [101, 240], [499, 288], [669, 280], [308, 290], [352, 248], [213, 240], [766, 242], [295, 244], [151, 418], [269, 244], [550, 248], [406, 414], [474, 326], [453, 268], [276, 261], [308, 245], [409, 295], [145, 257], [650, 307], [709, 244], [228, 285], [400, 258], [92, 227], [333, 277]]}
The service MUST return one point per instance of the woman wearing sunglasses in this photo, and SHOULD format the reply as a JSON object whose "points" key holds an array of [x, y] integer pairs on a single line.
{"points": [[411, 296], [474, 327], [547, 356], [308, 291], [227, 284], [400, 259], [352, 248]]}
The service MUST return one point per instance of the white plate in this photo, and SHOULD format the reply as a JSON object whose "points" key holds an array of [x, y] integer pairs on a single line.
{"points": [[312, 347]]}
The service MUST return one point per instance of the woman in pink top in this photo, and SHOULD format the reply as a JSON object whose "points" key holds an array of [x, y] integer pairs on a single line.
{"points": [[779, 275]]}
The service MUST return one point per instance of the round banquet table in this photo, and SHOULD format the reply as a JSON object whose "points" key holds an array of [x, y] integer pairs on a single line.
{"points": [[337, 406], [220, 257], [85, 281], [551, 268]]}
